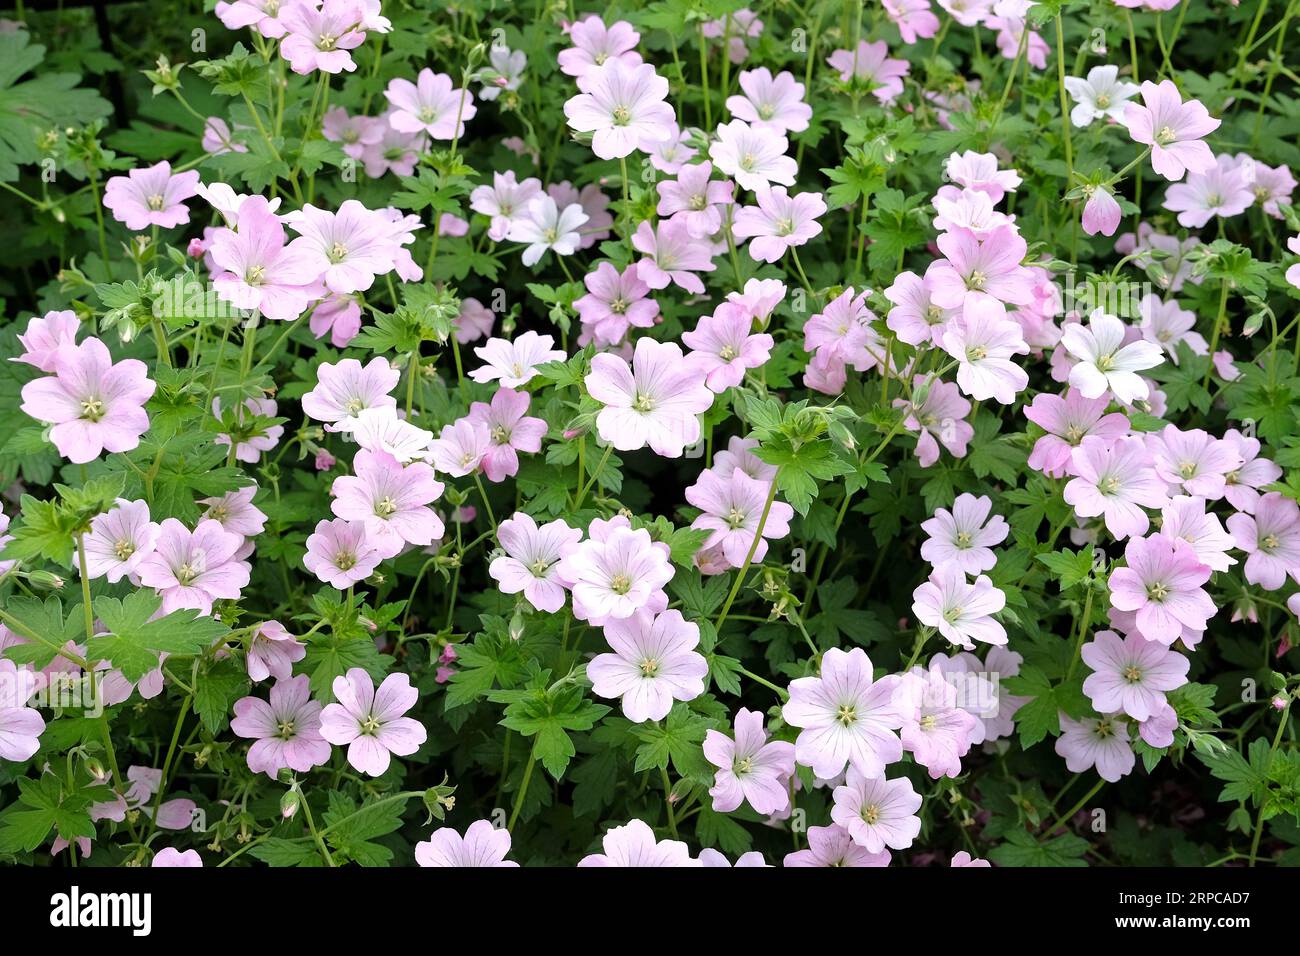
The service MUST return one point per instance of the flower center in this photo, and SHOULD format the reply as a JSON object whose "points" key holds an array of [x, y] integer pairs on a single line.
{"points": [[622, 116], [386, 507], [370, 726], [976, 352], [92, 409], [649, 667], [155, 202], [1103, 100], [337, 253], [1165, 136], [353, 405], [928, 722], [255, 275], [1157, 592], [1133, 674], [766, 111], [1187, 469], [727, 353], [1269, 543], [978, 279], [871, 814], [952, 614], [186, 574], [743, 766], [327, 42], [784, 227], [539, 567], [736, 518], [618, 306], [1105, 363], [285, 730], [847, 714], [499, 434], [123, 549], [620, 584], [345, 561], [427, 115], [1108, 485], [643, 403], [698, 201], [963, 539], [219, 513]]}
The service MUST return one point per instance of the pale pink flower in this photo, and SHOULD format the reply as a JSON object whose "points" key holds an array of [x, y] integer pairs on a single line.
{"points": [[753, 156], [513, 362], [845, 716], [506, 71], [739, 456], [960, 610], [913, 18], [840, 335], [254, 269], [723, 346], [623, 107], [968, 209], [45, 336], [1173, 268], [474, 321], [715, 858], [348, 248], [396, 152], [370, 722], [532, 553], [347, 388], [1271, 185], [119, 540], [1105, 362], [615, 303], [1271, 538], [1131, 674], [265, 15], [741, 24], [779, 222], [968, 13], [545, 227], [1186, 519], [1193, 461], [671, 154], [1158, 730], [1225, 189], [751, 768], [654, 662], [172, 857], [595, 44], [217, 138], [380, 429], [460, 447], [391, 500], [431, 105], [833, 847], [634, 845], [342, 552], [615, 573], [1101, 213], [320, 38], [980, 171], [194, 568], [963, 859], [1068, 420], [695, 199], [1102, 743], [732, 507], [937, 732], [1173, 129], [353, 133], [775, 102], [272, 652], [965, 535], [982, 341], [153, 196], [20, 726], [95, 404], [672, 255], [594, 205], [979, 269], [340, 316], [505, 201], [286, 730], [510, 430], [1163, 583], [877, 812], [655, 401], [1115, 479], [1241, 486], [936, 409], [1102, 95], [1166, 324], [870, 67], [483, 845]]}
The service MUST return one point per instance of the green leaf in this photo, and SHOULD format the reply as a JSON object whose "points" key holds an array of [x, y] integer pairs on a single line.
{"points": [[134, 642], [49, 808]]}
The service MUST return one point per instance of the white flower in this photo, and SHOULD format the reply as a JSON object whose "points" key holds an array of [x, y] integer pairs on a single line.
{"points": [[1101, 94], [1105, 362], [545, 227]]}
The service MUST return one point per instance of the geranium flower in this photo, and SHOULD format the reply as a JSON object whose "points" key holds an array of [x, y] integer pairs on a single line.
{"points": [[962, 536], [1185, 519], [751, 768], [505, 201], [972, 170], [483, 845], [1102, 95], [1225, 189], [1271, 538], [532, 554], [723, 346], [369, 721], [265, 15], [1105, 362], [634, 844], [1166, 324], [623, 106], [353, 133], [194, 568], [694, 198], [1101, 213], [119, 540], [615, 303], [254, 269], [319, 38], [976, 269], [982, 342], [877, 812], [513, 362], [1241, 486], [272, 652], [870, 67], [672, 254], [732, 507], [1173, 129], [939, 411], [1068, 420], [655, 401], [960, 610], [779, 222], [1115, 479], [546, 227], [653, 663], [286, 730], [380, 430], [20, 726], [342, 552], [1102, 743], [171, 857], [153, 196], [754, 156], [913, 19], [595, 44], [775, 102], [392, 500], [1163, 583], [510, 431], [1194, 460], [937, 732], [44, 337], [616, 574], [460, 447], [345, 389], [833, 847], [1131, 674]]}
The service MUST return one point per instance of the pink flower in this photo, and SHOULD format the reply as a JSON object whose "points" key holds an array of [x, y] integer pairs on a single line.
{"points": [[615, 573], [634, 845], [695, 199], [1224, 190], [431, 106], [1101, 213], [1105, 363], [623, 106], [1163, 584], [396, 152], [460, 447], [1193, 460], [95, 405], [194, 568], [594, 205], [595, 44], [510, 432], [723, 347], [753, 156], [774, 102], [655, 401], [672, 254], [963, 859], [940, 410], [171, 857], [119, 540], [779, 222], [354, 133], [870, 67], [320, 38], [251, 443], [514, 362], [348, 248], [474, 321], [937, 731], [254, 269], [45, 336], [742, 24], [968, 13], [342, 552], [751, 768], [961, 535], [1158, 730], [1241, 487], [1271, 538], [1102, 743], [714, 858], [915, 316], [151, 197], [340, 316], [1131, 674], [973, 170], [391, 500], [370, 722], [1068, 421], [968, 209], [1115, 479], [20, 726], [483, 845], [615, 303], [653, 663], [218, 139], [978, 269], [265, 15], [286, 730], [1173, 129], [840, 335], [877, 812], [733, 506], [1166, 324], [739, 456], [1272, 185], [380, 430], [671, 154], [913, 19], [961, 611], [832, 846], [345, 389], [1187, 520], [845, 716], [983, 341], [532, 553], [505, 201], [272, 652]]}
